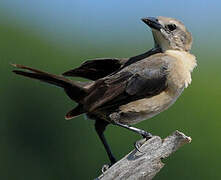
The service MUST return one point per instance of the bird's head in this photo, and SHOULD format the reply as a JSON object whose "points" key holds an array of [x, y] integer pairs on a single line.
{"points": [[169, 33]]}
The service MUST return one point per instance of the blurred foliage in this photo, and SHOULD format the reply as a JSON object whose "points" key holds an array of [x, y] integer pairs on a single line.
{"points": [[37, 143]]}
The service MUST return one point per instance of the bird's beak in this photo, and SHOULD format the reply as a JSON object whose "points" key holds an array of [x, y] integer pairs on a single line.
{"points": [[152, 23]]}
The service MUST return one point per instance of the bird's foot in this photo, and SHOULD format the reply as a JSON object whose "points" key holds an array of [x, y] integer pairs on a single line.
{"points": [[139, 143], [105, 167]]}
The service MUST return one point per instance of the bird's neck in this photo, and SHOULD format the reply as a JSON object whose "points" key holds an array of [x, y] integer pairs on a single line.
{"points": [[189, 60], [182, 66]]}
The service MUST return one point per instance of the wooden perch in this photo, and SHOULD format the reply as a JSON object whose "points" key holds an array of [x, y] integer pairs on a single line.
{"points": [[145, 165]]}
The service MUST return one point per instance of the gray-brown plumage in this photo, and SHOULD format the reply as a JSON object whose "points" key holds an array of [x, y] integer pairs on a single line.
{"points": [[127, 91]]}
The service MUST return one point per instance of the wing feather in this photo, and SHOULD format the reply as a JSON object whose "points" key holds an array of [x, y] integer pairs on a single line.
{"points": [[99, 68], [95, 69], [145, 78]]}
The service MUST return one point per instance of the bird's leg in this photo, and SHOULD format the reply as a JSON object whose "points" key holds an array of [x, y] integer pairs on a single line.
{"points": [[143, 133], [100, 127], [136, 130]]}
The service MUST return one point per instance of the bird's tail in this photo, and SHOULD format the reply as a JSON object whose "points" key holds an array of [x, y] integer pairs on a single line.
{"points": [[76, 91]]}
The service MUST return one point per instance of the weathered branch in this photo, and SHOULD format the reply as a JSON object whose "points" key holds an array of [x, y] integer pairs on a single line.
{"points": [[146, 165]]}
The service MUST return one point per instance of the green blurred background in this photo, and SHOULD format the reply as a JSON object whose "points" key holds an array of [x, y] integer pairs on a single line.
{"points": [[35, 140]]}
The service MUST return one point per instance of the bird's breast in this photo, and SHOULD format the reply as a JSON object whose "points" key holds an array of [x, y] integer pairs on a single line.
{"points": [[179, 77], [146, 108]]}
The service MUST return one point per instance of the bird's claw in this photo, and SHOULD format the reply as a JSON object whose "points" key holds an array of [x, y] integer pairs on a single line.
{"points": [[137, 146], [147, 135], [105, 167], [139, 143]]}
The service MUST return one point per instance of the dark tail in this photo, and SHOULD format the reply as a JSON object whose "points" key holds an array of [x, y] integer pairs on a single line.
{"points": [[78, 110], [74, 90]]}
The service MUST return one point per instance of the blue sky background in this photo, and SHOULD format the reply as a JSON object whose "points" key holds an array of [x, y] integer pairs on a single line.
{"points": [[65, 20]]}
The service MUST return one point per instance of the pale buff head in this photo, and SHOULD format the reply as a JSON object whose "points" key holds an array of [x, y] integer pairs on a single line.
{"points": [[169, 33]]}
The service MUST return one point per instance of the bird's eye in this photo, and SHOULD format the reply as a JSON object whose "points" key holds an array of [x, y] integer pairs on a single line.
{"points": [[171, 27]]}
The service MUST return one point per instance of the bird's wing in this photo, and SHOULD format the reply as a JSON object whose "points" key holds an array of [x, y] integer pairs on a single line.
{"points": [[139, 57], [99, 68], [145, 78], [96, 69]]}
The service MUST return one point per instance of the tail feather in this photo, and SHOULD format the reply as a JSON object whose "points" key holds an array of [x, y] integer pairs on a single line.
{"points": [[74, 90], [44, 76], [75, 112], [28, 68]]}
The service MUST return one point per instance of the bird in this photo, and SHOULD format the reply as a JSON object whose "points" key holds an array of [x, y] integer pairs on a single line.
{"points": [[126, 91]]}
